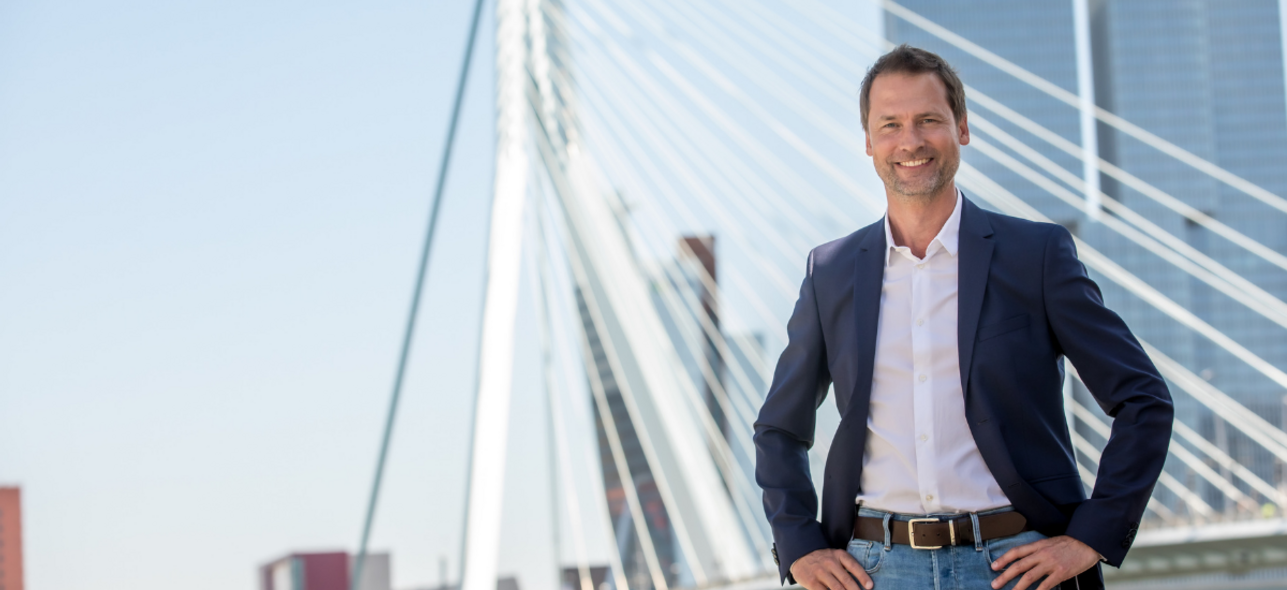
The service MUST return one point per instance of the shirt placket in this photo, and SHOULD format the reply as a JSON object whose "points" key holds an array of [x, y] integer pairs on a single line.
{"points": [[923, 385]]}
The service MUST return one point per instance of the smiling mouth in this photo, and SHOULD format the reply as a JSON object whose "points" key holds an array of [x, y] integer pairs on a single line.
{"points": [[914, 163]]}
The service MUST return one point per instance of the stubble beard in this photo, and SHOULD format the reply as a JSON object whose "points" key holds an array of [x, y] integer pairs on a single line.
{"points": [[920, 191]]}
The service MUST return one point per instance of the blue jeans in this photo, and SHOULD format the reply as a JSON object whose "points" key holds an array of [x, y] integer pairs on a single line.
{"points": [[963, 567]]}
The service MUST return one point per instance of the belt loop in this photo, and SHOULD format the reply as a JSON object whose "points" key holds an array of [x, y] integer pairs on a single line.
{"points": [[978, 535], [885, 525], [857, 515]]}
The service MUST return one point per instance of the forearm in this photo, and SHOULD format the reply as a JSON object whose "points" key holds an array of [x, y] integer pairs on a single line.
{"points": [[784, 433], [790, 500]]}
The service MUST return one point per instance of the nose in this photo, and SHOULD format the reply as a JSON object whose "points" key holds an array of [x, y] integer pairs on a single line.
{"points": [[911, 139]]}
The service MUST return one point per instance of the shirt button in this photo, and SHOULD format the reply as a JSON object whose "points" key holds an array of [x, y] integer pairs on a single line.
{"points": [[929, 497], [924, 438], [921, 265], [923, 378], [920, 322]]}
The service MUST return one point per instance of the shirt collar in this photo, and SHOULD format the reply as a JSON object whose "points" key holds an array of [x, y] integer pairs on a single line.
{"points": [[948, 236]]}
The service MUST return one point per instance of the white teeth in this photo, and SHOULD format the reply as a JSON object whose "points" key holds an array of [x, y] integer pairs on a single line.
{"points": [[914, 162]]}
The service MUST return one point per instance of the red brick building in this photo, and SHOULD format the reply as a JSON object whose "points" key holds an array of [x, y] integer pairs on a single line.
{"points": [[10, 539], [323, 571]]}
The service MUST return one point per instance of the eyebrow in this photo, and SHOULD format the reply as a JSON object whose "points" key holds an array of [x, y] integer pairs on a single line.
{"points": [[917, 116]]}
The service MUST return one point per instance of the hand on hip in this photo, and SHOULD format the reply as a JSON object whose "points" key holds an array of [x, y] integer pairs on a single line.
{"points": [[830, 569]]}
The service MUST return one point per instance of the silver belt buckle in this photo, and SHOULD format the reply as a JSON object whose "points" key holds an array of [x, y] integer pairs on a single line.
{"points": [[911, 533]]}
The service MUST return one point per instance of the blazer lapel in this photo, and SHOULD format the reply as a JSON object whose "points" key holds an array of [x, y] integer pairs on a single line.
{"points": [[869, 275], [975, 258]]}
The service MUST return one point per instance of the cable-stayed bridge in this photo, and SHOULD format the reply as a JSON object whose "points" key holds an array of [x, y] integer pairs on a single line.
{"points": [[662, 170]]}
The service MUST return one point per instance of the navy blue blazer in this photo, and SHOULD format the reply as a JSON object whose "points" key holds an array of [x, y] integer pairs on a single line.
{"points": [[1025, 303]]}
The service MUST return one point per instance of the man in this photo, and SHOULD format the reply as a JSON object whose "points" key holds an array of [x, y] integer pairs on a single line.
{"points": [[943, 328]]}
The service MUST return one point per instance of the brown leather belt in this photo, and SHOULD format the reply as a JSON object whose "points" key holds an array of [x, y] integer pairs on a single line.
{"points": [[932, 533]]}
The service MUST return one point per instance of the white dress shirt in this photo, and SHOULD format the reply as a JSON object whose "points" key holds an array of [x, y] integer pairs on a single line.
{"points": [[921, 457]]}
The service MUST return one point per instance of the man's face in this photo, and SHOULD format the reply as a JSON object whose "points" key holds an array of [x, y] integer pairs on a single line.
{"points": [[912, 137]]}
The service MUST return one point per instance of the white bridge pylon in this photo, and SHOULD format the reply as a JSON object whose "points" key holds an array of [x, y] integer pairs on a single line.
{"points": [[643, 363], [624, 125], [500, 304]]}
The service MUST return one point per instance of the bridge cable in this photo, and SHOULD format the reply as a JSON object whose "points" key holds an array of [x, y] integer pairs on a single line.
{"points": [[409, 330], [702, 274], [742, 411], [1191, 461], [593, 464], [560, 456], [1131, 181], [978, 123], [1214, 274], [598, 322], [760, 154], [725, 460]]}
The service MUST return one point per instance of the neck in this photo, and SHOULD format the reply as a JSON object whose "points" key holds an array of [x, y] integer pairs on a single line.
{"points": [[915, 222]]}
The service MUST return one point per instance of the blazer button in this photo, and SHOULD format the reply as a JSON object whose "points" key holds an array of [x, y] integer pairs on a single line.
{"points": [[1130, 535]]}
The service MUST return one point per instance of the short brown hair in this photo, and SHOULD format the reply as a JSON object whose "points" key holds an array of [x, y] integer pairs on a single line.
{"points": [[906, 59]]}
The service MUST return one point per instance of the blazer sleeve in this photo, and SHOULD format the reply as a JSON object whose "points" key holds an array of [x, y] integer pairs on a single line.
{"points": [[784, 433], [1127, 387]]}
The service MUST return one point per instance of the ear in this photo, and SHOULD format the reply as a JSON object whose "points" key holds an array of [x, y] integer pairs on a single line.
{"points": [[963, 128], [867, 134]]}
